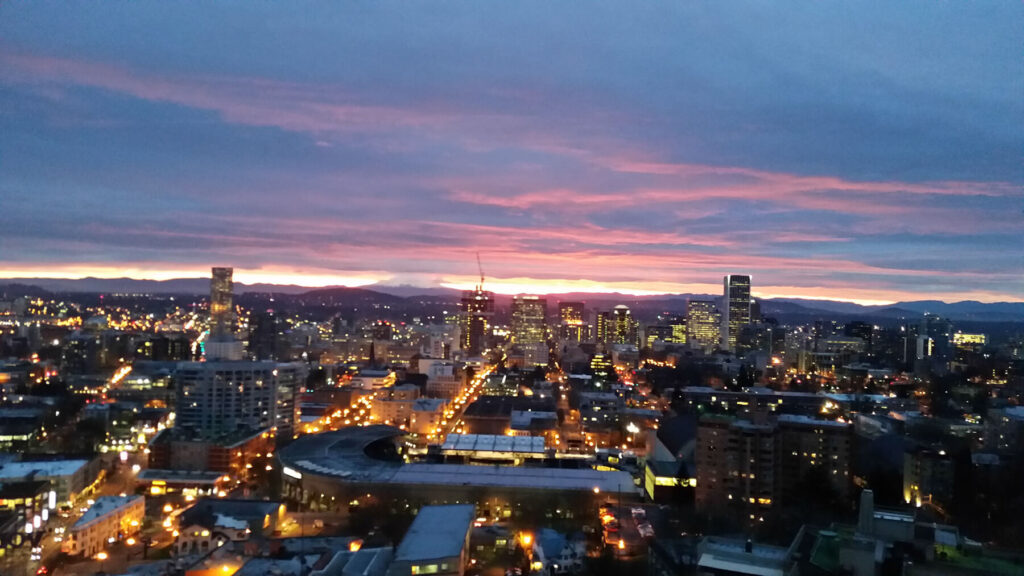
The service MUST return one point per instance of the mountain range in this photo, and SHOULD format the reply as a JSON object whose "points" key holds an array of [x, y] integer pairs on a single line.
{"points": [[965, 310]]}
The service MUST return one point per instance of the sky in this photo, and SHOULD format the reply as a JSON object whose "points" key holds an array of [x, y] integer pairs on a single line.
{"points": [[861, 151]]}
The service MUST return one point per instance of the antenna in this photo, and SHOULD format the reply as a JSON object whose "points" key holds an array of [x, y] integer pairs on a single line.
{"points": [[481, 267]]}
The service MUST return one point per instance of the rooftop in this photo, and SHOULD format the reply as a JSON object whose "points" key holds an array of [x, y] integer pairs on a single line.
{"points": [[493, 443], [437, 532], [104, 505], [48, 468], [180, 476], [344, 454]]}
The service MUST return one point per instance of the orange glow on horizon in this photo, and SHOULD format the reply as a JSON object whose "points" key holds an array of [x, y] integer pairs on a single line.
{"points": [[268, 275], [320, 278]]}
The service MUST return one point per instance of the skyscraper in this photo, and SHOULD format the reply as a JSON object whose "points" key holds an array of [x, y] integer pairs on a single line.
{"points": [[222, 397], [226, 394], [222, 345], [476, 310], [529, 315], [602, 325], [703, 325], [625, 328], [570, 316], [737, 309], [221, 303]]}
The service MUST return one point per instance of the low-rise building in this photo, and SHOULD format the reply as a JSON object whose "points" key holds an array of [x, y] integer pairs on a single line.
{"points": [[437, 542], [68, 478], [109, 519], [427, 414]]}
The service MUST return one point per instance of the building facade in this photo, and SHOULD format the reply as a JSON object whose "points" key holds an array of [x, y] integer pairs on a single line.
{"points": [[737, 309], [222, 397]]}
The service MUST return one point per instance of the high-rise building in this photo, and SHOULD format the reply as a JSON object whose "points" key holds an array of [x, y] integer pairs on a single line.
{"points": [[222, 345], [476, 310], [221, 303], [751, 468], [657, 332], [602, 326], [737, 309], [678, 325], [571, 323], [267, 336], [222, 397], [529, 320], [703, 325], [625, 328]]}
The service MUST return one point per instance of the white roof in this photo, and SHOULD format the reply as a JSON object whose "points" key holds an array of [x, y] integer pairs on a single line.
{"points": [[494, 443], [104, 505], [54, 468], [711, 561], [225, 521], [437, 532], [583, 479]]}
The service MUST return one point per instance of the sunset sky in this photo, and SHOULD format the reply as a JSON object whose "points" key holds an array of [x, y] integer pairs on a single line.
{"points": [[866, 151]]}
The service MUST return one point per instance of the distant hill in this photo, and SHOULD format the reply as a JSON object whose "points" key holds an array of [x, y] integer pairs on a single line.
{"points": [[785, 309]]}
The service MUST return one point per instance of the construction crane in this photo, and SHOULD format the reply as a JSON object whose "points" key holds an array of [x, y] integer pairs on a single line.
{"points": [[481, 267]]}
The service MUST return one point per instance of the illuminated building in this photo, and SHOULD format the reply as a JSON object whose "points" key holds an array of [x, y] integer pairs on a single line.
{"points": [[737, 309], [218, 397], [221, 303], [657, 332], [928, 477], [602, 325], [703, 325], [625, 329], [173, 450], [222, 345], [382, 330], [476, 310], [437, 542], [969, 341], [678, 325], [750, 467], [601, 367], [110, 517], [570, 316], [529, 314], [326, 472], [267, 337]]}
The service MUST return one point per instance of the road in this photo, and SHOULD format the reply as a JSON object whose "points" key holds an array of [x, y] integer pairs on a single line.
{"points": [[119, 481], [452, 422]]}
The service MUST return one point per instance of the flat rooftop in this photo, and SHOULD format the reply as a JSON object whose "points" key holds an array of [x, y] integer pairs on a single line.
{"points": [[493, 443], [343, 454], [104, 505], [437, 532], [50, 468]]}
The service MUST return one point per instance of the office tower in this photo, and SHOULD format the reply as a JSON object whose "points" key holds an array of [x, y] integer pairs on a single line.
{"points": [[267, 336], [570, 316], [222, 345], [703, 325], [656, 332], [737, 309], [223, 397], [221, 303], [529, 315], [602, 325], [678, 325], [475, 312], [625, 329]]}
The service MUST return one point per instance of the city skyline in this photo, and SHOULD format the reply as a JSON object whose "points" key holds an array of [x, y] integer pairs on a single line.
{"points": [[643, 152]]}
